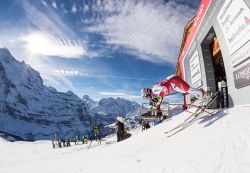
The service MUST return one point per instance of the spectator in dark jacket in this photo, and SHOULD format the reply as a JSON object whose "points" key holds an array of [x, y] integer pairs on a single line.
{"points": [[120, 129]]}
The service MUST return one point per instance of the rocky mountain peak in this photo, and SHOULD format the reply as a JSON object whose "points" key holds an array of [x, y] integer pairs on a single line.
{"points": [[6, 55], [29, 107]]}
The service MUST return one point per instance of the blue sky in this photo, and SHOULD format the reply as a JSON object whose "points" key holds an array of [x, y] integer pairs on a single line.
{"points": [[102, 48]]}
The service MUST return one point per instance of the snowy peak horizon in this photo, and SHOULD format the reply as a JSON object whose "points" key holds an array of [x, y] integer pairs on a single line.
{"points": [[7, 57], [29, 105]]}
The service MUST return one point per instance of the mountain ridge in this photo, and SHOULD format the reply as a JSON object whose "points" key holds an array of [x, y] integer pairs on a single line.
{"points": [[41, 110]]}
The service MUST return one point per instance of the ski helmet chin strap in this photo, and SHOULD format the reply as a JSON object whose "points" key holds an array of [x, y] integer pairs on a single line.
{"points": [[149, 93], [145, 92]]}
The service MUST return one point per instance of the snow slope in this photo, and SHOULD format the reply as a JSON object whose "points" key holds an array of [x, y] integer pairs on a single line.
{"points": [[218, 144]]}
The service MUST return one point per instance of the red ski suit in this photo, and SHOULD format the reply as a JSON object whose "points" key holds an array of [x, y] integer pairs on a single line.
{"points": [[171, 83]]}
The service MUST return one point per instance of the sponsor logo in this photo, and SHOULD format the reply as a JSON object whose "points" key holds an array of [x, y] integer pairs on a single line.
{"points": [[237, 33], [242, 76], [245, 74], [225, 9], [240, 12], [241, 57], [195, 68], [234, 22]]}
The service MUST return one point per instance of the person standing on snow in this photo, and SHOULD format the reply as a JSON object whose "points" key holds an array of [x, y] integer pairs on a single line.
{"points": [[64, 142], [172, 83], [59, 143], [76, 140], [85, 139], [68, 142], [53, 143], [96, 132], [120, 129]]}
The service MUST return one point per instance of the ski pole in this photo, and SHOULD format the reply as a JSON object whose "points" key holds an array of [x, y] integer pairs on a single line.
{"points": [[90, 144]]}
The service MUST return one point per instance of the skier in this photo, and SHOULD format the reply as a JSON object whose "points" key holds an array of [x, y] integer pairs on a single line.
{"points": [[99, 138], [68, 142], [76, 140], [53, 143], [64, 142], [96, 131], [172, 83], [85, 139], [59, 143]]}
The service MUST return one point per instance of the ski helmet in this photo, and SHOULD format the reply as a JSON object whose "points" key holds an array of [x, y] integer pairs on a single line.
{"points": [[121, 119], [145, 92]]}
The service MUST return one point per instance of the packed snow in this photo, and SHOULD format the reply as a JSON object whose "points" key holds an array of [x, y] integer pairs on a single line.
{"points": [[219, 144]]}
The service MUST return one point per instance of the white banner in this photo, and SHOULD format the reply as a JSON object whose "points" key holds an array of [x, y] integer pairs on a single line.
{"points": [[242, 55], [195, 68], [234, 20]]}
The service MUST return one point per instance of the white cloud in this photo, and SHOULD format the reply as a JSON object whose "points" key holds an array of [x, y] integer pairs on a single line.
{"points": [[112, 94], [61, 83], [123, 24], [54, 5], [46, 44], [43, 33], [44, 3], [63, 9], [85, 7], [99, 3], [48, 21], [74, 9], [52, 36], [133, 97], [121, 95], [149, 29], [103, 76], [69, 72]]}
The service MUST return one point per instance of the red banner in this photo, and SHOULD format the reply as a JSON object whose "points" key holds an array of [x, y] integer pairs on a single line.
{"points": [[192, 32]]}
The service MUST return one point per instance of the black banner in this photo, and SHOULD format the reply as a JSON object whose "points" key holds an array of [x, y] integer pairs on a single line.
{"points": [[242, 76]]}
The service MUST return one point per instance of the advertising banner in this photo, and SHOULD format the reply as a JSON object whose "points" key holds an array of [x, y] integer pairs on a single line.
{"points": [[241, 56], [242, 76], [192, 32], [195, 68], [234, 20]]}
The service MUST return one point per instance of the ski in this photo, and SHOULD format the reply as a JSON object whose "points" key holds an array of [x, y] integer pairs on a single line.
{"points": [[195, 115], [90, 144], [180, 125], [187, 124], [184, 126]]}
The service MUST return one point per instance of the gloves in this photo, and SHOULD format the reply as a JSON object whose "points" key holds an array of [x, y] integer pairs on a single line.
{"points": [[154, 100]]}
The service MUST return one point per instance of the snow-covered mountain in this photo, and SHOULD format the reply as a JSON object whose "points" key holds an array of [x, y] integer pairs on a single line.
{"points": [[29, 109]]}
